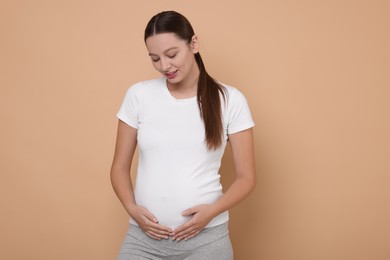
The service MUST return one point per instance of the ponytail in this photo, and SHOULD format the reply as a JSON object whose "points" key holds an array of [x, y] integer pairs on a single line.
{"points": [[209, 103]]}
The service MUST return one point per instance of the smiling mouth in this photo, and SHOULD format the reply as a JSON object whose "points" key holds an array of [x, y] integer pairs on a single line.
{"points": [[171, 75]]}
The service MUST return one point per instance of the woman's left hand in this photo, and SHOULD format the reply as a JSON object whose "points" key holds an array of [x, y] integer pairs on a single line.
{"points": [[201, 216]]}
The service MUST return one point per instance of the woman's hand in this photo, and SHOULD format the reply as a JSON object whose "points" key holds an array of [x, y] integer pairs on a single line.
{"points": [[149, 223], [201, 216]]}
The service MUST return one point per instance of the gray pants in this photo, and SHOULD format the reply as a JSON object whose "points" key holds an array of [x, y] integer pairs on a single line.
{"points": [[211, 244]]}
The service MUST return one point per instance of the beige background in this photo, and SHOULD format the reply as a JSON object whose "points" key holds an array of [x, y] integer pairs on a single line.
{"points": [[316, 75]]}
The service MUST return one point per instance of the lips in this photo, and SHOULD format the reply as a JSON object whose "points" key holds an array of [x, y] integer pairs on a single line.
{"points": [[171, 75]]}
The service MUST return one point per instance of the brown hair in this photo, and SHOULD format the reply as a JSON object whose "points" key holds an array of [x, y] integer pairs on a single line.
{"points": [[209, 90]]}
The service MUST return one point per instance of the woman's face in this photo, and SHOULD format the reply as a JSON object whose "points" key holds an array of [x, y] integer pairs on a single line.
{"points": [[173, 57]]}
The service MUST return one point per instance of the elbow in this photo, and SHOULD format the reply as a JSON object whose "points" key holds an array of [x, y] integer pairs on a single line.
{"points": [[253, 182], [249, 181], [115, 173], [112, 176], [119, 173], [112, 172]]}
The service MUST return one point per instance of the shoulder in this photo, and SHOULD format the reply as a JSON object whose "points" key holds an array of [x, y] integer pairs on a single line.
{"points": [[237, 112], [157, 82], [151, 83], [233, 94], [144, 87]]}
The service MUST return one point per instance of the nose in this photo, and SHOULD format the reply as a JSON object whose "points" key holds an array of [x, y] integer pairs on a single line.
{"points": [[165, 64]]}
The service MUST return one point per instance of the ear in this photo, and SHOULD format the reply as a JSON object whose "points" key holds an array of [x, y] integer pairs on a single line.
{"points": [[194, 44]]}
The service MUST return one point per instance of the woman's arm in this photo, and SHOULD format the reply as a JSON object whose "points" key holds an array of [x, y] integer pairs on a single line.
{"points": [[245, 181], [245, 170], [126, 144]]}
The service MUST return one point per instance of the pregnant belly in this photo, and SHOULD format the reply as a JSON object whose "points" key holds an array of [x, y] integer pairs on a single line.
{"points": [[167, 205]]}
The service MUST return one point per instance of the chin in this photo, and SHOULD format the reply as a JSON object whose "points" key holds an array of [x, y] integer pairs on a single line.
{"points": [[173, 81]]}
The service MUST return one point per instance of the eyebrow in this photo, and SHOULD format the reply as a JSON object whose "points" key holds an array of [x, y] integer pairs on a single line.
{"points": [[167, 50]]}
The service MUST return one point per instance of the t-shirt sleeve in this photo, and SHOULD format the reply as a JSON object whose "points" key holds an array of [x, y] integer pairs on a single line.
{"points": [[240, 117], [128, 112]]}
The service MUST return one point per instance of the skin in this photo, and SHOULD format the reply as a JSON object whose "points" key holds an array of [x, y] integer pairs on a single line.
{"points": [[170, 54]]}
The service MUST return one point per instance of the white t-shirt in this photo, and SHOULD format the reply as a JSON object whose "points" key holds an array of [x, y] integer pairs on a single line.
{"points": [[175, 169]]}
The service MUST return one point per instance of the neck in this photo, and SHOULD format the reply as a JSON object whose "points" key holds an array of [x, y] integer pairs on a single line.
{"points": [[187, 87]]}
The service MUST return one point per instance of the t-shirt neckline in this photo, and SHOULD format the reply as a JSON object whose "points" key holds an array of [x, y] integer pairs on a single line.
{"points": [[181, 100]]}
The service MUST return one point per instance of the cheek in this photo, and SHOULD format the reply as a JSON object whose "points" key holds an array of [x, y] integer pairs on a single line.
{"points": [[182, 62], [156, 65]]}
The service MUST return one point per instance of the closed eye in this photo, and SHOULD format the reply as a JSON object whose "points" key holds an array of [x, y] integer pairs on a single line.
{"points": [[172, 56], [169, 56]]}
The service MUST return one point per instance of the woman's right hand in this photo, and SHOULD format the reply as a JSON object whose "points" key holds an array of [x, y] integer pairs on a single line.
{"points": [[149, 223]]}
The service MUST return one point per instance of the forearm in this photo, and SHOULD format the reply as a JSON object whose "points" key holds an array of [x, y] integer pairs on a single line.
{"points": [[122, 185], [236, 193]]}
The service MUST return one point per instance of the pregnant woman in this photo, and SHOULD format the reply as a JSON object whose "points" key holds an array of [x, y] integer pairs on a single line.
{"points": [[181, 123]]}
